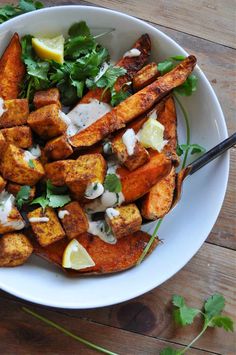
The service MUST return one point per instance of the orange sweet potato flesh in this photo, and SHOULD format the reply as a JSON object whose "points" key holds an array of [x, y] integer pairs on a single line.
{"points": [[137, 183], [145, 76], [134, 105], [113, 258], [12, 70]]}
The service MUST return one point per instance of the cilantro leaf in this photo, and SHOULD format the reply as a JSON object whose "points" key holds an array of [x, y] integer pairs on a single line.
{"points": [[110, 76], [188, 87], [178, 57], [192, 148], [9, 11], [118, 96], [197, 149], [169, 351], [112, 183], [42, 201], [214, 305], [222, 322], [23, 196], [75, 46], [165, 66], [29, 5], [31, 163], [79, 29], [183, 314], [56, 201]]}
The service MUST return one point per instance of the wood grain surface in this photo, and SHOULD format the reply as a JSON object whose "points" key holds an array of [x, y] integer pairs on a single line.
{"points": [[144, 325]]}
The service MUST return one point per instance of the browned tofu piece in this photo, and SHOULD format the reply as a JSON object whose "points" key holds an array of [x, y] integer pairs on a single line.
{"points": [[2, 183], [57, 171], [2, 144], [14, 220], [46, 232], [15, 249], [16, 114], [158, 201], [20, 136], [87, 168], [73, 219], [46, 121], [16, 168], [58, 148], [132, 162], [14, 188], [47, 97], [124, 220], [145, 76], [12, 70]]}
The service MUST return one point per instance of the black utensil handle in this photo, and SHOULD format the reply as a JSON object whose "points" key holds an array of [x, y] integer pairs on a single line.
{"points": [[212, 154]]}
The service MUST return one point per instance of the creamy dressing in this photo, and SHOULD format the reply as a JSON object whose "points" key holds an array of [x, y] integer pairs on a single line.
{"points": [[98, 228], [129, 139], [64, 118], [38, 219], [112, 213], [63, 213], [2, 109], [6, 205], [28, 156], [102, 71], [83, 115], [134, 52], [94, 190], [108, 199], [35, 151], [107, 148]]}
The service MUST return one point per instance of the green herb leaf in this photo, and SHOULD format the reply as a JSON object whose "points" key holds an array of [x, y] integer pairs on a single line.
{"points": [[9, 11], [214, 305], [79, 29], [178, 57], [197, 149], [22, 196], [42, 201], [190, 148], [56, 201], [118, 96], [188, 87], [222, 322], [29, 5], [169, 351], [178, 301], [112, 183], [183, 315], [165, 66], [31, 163]]}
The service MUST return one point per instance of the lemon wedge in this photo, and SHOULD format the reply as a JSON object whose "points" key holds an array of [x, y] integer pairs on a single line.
{"points": [[50, 48], [151, 135], [76, 256]]}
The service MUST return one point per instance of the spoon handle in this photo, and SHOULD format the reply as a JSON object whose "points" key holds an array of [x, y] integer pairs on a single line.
{"points": [[212, 154]]}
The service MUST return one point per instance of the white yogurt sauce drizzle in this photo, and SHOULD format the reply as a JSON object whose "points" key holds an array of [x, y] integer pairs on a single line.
{"points": [[32, 153], [94, 190], [6, 205], [134, 52], [38, 219], [98, 228], [63, 213], [2, 108], [112, 213], [129, 139]]}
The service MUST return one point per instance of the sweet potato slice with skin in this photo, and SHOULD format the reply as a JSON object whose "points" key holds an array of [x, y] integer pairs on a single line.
{"points": [[158, 201], [137, 183], [134, 105], [113, 258], [12, 70], [145, 76]]}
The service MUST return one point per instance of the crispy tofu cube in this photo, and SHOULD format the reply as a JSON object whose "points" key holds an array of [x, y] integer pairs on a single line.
{"points": [[17, 168], [124, 220], [132, 162], [12, 69], [57, 171], [14, 188], [86, 169], [58, 148], [2, 144], [46, 226], [10, 218], [73, 219], [46, 122], [20, 136], [47, 97], [15, 249], [16, 114], [2, 183]]}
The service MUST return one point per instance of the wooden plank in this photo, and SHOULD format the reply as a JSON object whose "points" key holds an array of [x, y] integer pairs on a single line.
{"points": [[21, 334], [212, 20], [211, 270]]}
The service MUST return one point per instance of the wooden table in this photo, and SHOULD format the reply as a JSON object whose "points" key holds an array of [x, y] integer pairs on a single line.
{"points": [[144, 325]]}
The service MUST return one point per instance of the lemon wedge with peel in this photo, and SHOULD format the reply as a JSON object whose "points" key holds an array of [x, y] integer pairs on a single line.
{"points": [[151, 135], [50, 48], [76, 256]]}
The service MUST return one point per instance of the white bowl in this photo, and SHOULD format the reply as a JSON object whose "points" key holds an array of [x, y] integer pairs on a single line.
{"points": [[184, 230]]}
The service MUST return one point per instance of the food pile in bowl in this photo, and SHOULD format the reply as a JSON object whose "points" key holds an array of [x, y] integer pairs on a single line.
{"points": [[87, 150]]}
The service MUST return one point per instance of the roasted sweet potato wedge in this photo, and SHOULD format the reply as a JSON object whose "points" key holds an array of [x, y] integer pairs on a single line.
{"points": [[12, 70], [137, 183], [113, 258], [21, 136], [145, 76], [58, 148], [134, 105]]}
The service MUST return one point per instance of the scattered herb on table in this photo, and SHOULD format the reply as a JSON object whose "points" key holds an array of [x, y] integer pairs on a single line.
{"points": [[9, 11], [211, 314], [23, 196]]}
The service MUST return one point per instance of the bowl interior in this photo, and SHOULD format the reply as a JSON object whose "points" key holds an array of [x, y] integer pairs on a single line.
{"points": [[184, 229]]}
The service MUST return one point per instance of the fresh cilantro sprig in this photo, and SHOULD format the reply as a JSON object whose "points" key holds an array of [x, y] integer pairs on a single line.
{"points": [[192, 149], [211, 314], [53, 197], [9, 11], [23, 196], [112, 183]]}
